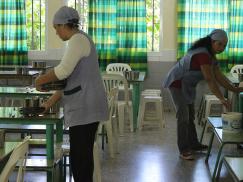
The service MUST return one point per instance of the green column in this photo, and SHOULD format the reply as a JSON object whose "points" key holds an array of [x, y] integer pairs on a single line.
{"points": [[59, 131], [135, 102], [50, 141]]}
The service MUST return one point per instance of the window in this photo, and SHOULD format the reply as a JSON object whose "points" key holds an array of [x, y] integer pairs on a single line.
{"points": [[153, 25], [82, 7], [35, 24], [153, 20]]}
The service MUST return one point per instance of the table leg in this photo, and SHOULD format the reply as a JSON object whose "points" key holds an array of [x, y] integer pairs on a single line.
{"points": [[49, 175], [209, 147], [217, 162], [135, 103], [59, 132], [50, 141]]}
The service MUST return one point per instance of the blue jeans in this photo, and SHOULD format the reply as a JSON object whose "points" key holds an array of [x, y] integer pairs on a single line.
{"points": [[185, 114]]}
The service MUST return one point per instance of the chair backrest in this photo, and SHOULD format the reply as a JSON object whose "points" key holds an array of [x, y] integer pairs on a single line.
{"points": [[236, 69], [111, 81], [118, 68], [19, 154]]}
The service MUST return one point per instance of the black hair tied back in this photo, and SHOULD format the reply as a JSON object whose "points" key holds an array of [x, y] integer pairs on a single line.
{"points": [[74, 21]]}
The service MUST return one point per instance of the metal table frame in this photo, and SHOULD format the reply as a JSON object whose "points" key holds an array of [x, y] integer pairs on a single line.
{"points": [[223, 138]]}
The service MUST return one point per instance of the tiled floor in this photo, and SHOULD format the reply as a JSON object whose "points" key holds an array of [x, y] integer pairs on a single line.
{"points": [[151, 155]]}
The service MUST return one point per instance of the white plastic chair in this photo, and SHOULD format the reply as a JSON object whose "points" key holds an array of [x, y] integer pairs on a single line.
{"points": [[114, 81], [236, 69], [151, 96], [117, 68], [207, 104], [110, 126], [19, 155]]}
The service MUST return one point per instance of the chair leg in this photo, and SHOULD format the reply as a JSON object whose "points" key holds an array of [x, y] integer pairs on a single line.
{"points": [[141, 115], [108, 127], [163, 113], [121, 119], [159, 112], [115, 134], [130, 112], [97, 167]]}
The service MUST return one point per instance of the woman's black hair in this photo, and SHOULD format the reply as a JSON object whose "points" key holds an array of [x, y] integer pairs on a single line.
{"points": [[203, 42], [73, 23]]}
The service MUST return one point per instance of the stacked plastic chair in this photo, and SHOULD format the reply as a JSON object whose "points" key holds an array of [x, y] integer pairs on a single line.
{"points": [[151, 96]]}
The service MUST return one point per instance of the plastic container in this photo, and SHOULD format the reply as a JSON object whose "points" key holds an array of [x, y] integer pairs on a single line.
{"points": [[232, 121]]}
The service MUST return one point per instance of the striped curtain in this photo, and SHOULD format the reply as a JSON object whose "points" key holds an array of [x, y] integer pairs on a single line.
{"points": [[198, 18], [236, 33], [102, 29], [13, 40], [118, 28]]}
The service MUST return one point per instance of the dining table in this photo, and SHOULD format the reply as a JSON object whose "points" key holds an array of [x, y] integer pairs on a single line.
{"points": [[22, 92], [224, 138], [12, 77], [13, 115]]}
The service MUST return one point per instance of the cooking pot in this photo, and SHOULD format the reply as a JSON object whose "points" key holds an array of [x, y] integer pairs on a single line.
{"points": [[131, 75], [21, 71], [32, 102], [38, 64]]}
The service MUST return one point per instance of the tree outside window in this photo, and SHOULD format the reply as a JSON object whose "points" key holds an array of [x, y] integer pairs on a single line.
{"points": [[153, 25], [35, 24], [35, 14]]}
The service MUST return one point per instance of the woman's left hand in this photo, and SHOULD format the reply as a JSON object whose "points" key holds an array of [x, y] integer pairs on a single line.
{"points": [[38, 84], [239, 89]]}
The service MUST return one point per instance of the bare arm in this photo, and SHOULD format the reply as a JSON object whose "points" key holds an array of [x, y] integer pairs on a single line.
{"points": [[207, 71], [222, 80], [52, 100], [45, 78]]}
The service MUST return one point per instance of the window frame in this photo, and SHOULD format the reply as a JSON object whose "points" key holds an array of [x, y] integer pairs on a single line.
{"points": [[151, 52], [40, 24]]}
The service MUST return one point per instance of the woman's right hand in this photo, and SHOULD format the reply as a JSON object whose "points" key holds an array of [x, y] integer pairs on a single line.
{"points": [[47, 106], [227, 104]]}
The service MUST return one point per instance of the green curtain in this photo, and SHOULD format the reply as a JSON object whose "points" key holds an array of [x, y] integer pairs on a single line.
{"points": [[118, 28], [236, 33], [13, 40], [198, 18], [102, 29]]}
